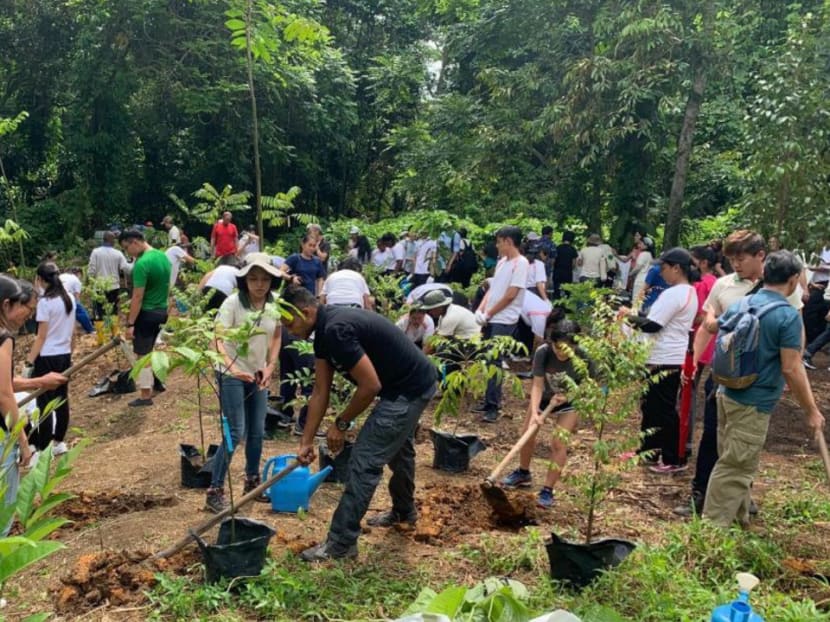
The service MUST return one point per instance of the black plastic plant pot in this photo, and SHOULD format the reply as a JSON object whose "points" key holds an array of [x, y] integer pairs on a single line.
{"points": [[276, 420], [240, 550], [196, 471], [453, 453], [339, 464], [579, 564]]}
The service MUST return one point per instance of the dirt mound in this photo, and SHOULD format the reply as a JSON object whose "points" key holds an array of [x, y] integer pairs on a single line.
{"points": [[115, 578], [447, 512], [90, 507]]}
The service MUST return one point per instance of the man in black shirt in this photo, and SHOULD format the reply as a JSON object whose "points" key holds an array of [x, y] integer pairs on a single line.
{"points": [[378, 358], [563, 264]]}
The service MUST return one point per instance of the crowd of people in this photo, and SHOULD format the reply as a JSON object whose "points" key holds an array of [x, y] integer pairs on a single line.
{"points": [[679, 301]]}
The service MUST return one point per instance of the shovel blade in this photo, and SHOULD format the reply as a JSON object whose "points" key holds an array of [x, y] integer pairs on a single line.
{"points": [[508, 513]]}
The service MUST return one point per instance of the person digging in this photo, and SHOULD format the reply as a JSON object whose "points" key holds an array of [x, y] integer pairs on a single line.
{"points": [[382, 363], [552, 360]]}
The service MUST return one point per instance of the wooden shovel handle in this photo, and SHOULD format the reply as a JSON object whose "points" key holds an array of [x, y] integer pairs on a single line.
{"points": [[822, 447], [74, 368], [523, 439]]}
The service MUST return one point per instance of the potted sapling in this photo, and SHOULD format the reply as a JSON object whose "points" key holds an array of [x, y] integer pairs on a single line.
{"points": [[605, 400], [466, 367]]}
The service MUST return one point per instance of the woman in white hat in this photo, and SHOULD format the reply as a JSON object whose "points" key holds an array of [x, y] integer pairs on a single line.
{"points": [[245, 373]]}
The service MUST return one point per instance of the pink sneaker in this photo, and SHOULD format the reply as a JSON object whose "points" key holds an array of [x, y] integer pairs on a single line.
{"points": [[628, 455], [668, 469]]}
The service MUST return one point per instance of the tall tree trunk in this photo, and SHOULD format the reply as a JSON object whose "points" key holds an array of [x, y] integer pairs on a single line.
{"points": [[684, 152], [249, 58], [702, 58]]}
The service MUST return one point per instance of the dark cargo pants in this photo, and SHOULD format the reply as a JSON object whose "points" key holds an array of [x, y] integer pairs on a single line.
{"points": [[387, 437]]}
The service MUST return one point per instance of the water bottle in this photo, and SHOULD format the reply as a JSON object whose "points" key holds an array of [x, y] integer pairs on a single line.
{"points": [[739, 610]]}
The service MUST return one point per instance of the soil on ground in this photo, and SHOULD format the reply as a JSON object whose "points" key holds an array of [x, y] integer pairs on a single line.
{"points": [[130, 503]]}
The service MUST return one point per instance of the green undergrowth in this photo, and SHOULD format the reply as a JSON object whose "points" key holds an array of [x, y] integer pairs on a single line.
{"points": [[682, 579]]}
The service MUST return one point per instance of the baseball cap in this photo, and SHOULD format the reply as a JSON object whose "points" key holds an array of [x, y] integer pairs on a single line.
{"points": [[675, 256]]}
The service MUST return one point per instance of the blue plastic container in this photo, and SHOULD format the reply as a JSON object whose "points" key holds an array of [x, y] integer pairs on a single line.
{"points": [[294, 491], [739, 610]]}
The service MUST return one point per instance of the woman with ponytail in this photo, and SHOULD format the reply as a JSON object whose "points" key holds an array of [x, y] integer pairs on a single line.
{"points": [[52, 352]]}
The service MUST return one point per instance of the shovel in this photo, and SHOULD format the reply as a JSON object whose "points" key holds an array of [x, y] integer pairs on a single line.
{"points": [[215, 520], [494, 495], [822, 447], [75, 368]]}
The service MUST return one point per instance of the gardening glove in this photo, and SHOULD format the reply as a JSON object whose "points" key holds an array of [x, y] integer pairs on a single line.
{"points": [[481, 318]]}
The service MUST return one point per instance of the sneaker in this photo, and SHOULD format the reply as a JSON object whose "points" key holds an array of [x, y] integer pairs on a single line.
{"points": [[479, 408], [59, 449], [158, 385], [33, 460], [693, 507], [490, 416], [140, 403], [298, 431], [545, 498], [390, 518], [215, 501], [519, 478], [668, 469], [250, 484], [808, 362], [324, 552], [524, 375]]}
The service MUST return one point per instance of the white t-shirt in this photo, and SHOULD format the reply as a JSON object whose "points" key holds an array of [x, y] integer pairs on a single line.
{"points": [[277, 261], [675, 310], [594, 264], [426, 251], [399, 252], [233, 315], [535, 312], [175, 254], [61, 325], [223, 278], [536, 274], [174, 236], [416, 333], [107, 262], [71, 284], [509, 273], [345, 287], [458, 322], [383, 259], [426, 287]]}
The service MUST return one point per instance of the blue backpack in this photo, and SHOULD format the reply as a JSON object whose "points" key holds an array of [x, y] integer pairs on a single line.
{"points": [[735, 364]]}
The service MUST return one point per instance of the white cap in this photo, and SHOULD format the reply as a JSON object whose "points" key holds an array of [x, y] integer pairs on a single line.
{"points": [[354, 231]]}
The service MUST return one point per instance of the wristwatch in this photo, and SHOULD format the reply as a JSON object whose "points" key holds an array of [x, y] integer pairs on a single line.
{"points": [[342, 424]]}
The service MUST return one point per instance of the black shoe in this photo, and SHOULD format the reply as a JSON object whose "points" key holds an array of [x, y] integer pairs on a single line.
{"points": [[158, 385], [693, 507], [753, 508], [479, 408], [250, 484], [523, 375], [808, 362], [324, 552], [390, 518], [140, 403], [215, 501], [490, 416]]}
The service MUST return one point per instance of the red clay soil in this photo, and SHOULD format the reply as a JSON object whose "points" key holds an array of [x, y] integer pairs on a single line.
{"points": [[90, 507]]}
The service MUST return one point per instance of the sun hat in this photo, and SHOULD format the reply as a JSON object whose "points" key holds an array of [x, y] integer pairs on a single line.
{"points": [[259, 260], [532, 236], [354, 230], [433, 299]]}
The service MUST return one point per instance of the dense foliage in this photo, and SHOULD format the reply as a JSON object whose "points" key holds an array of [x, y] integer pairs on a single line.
{"points": [[615, 112]]}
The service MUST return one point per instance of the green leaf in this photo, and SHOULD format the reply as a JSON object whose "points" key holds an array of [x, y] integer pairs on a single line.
{"points": [[11, 543], [26, 556], [235, 24], [51, 502], [160, 362], [448, 602], [42, 528]]}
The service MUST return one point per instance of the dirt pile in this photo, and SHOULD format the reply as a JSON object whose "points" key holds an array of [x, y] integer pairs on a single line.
{"points": [[90, 507], [115, 578], [447, 512]]}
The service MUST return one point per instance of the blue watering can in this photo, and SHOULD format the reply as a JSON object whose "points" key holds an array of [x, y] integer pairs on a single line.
{"points": [[739, 610], [294, 491]]}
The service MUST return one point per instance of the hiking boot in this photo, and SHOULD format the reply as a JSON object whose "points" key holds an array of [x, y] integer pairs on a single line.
{"points": [[390, 518], [519, 478], [490, 416], [545, 498], [668, 469], [808, 362], [140, 402], [215, 501], [325, 551], [693, 507], [250, 484]]}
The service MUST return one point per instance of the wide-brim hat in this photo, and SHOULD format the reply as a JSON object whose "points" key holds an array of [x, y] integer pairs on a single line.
{"points": [[433, 299], [259, 260]]}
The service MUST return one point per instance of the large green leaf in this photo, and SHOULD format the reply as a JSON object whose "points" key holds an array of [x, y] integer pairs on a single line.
{"points": [[25, 556]]}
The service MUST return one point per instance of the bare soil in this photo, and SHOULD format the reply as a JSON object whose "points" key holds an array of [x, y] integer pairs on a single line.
{"points": [[130, 502]]}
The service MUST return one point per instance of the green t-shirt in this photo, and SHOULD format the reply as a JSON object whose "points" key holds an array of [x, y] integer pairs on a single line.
{"points": [[152, 272]]}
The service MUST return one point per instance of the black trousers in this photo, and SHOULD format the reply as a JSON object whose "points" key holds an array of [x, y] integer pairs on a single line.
{"points": [[659, 406], [100, 311], [52, 427], [291, 362]]}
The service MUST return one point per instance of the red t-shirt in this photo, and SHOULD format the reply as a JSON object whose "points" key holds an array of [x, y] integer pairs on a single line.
{"points": [[702, 288], [224, 238]]}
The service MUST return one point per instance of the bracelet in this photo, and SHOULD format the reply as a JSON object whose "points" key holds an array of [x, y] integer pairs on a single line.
{"points": [[130, 325]]}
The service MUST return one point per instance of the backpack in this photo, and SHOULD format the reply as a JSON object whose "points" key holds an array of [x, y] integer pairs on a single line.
{"points": [[467, 261], [735, 364]]}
